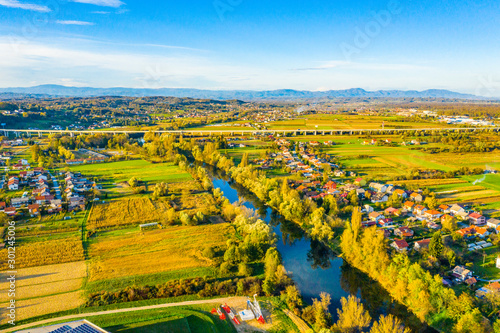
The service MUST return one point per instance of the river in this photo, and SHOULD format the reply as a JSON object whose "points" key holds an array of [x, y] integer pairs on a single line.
{"points": [[314, 267]]}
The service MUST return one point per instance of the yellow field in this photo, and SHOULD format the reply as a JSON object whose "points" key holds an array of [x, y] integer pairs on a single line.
{"points": [[45, 253], [45, 305], [46, 280], [46, 289], [137, 253], [429, 182], [127, 211]]}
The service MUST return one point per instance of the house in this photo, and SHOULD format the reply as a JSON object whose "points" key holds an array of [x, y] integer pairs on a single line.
{"points": [[401, 193], [444, 208], [466, 232], [18, 202], [360, 192], [491, 223], [455, 209], [419, 209], [461, 273], [10, 211], [400, 245], [390, 189], [13, 184], [368, 209], [390, 211], [385, 222], [379, 197], [432, 214], [477, 219], [34, 209], [339, 173], [403, 232], [408, 205], [330, 187], [360, 182], [376, 216], [381, 188], [471, 281], [434, 226], [422, 244], [464, 216], [493, 287], [76, 203], [481, 232], [417, 197]]}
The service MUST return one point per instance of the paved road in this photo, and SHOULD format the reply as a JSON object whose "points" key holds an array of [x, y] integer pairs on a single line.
{"points": [[91, 314]]}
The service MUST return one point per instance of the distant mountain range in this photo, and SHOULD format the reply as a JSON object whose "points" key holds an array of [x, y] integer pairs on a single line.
{"points": [[44, 91]]}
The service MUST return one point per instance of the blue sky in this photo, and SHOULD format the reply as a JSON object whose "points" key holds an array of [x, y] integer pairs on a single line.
{"points": [[243, 44]]}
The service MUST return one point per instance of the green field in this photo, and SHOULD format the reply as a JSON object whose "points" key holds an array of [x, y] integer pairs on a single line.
{"points": [[110, 175], [143, 170]]}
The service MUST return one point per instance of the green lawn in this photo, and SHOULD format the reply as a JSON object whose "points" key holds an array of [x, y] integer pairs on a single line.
{"points": [[109, 175], [487, 270], [143, 170]]}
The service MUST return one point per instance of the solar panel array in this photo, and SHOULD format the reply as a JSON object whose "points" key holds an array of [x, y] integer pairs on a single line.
{"points": [[84, 328], [62, 329]]}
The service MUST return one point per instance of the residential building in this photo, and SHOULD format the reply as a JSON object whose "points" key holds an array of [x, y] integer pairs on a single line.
{"points": [[422, 245], [477, 218], [461, 273], [400, 245]]}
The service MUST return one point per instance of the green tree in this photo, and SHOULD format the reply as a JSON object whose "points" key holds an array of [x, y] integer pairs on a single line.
{"points": [[133, 182], [436, 245]]}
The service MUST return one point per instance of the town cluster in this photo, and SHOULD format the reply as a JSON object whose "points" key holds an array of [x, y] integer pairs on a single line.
{"points": [[394, 209], [40, 192]]}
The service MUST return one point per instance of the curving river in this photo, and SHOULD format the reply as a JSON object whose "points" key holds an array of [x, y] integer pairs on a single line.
{"points": [[314, 267]]}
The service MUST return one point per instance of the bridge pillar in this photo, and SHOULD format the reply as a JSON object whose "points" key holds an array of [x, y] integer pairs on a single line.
{"points": [[72, 134], [331, 132], [39, 134], [315, 132]]}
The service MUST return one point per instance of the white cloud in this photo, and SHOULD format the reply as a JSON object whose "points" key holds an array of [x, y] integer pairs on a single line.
{"points": [[26, 6], [338, 64], [100, 12], [71, 22], [103, 3]]}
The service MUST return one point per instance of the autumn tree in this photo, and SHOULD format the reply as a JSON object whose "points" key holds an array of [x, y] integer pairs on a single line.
{"points": [[389, 324], [353, 317]]}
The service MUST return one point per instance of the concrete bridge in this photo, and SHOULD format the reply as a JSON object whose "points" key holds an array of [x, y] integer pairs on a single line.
{"points": [[242, 132]]}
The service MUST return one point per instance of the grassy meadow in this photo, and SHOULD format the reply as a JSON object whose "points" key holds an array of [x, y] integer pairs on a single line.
{"points": [[127, 211], [113, 176]]}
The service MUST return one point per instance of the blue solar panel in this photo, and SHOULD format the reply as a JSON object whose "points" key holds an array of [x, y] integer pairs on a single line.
{"points": [[84, 328], [62, 329]]}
